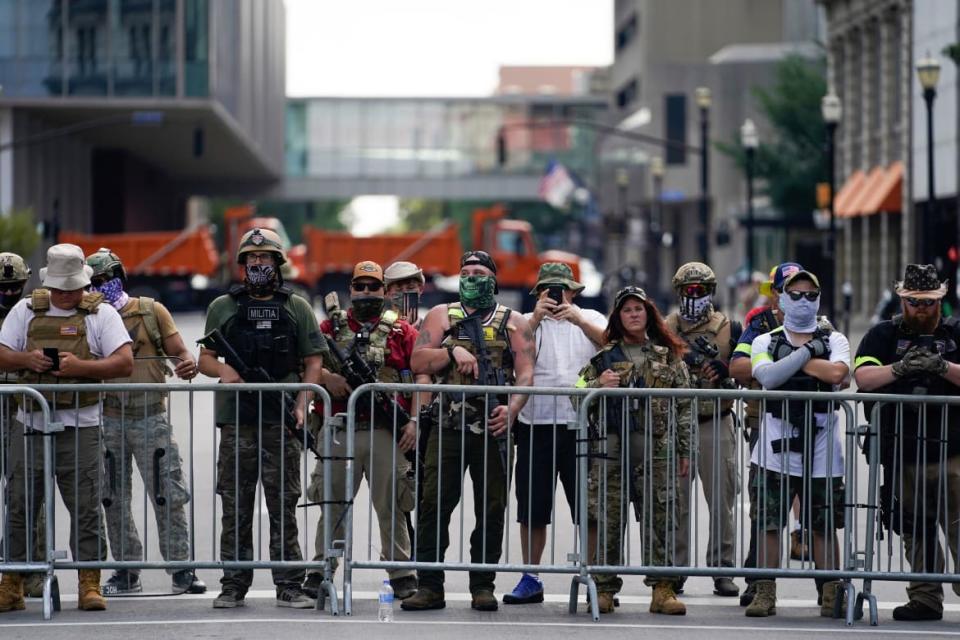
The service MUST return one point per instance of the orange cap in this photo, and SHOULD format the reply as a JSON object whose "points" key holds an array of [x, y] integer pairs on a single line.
{"points": [[368, 269]]}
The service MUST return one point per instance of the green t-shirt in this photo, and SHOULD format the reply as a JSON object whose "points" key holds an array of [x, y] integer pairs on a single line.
{"points": [[309, 342]]}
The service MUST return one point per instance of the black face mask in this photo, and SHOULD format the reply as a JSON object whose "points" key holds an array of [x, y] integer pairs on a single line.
{"points": [[367, 308], [7, 300]]}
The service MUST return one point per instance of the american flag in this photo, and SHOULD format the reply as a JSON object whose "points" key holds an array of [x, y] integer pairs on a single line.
{"points": [[556, 185]]}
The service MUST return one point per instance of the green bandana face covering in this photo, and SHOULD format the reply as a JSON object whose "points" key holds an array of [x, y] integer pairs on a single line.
{"points": [[365, 309], [476, 292]]}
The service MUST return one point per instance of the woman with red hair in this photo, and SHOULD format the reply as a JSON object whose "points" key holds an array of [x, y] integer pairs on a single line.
{"points": [[640, 351]]}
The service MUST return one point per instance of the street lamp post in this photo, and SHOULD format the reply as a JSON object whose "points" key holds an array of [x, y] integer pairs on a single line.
{"points": [[750, 141], [622, 222], [928, 70], [703, 102], [656, 223], [832, 111]]}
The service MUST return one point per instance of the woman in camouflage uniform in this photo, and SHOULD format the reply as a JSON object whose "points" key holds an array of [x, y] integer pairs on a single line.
{"points": [[640, 352]]}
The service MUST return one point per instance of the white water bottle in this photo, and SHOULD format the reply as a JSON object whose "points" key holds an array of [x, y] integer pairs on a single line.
{"points": [[385, 612]]}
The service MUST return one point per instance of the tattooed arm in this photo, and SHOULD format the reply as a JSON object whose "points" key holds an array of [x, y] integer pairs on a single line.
{"points": [[428, 356], [524, 354]]}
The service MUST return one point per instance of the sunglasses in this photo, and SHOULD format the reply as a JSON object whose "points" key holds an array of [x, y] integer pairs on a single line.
{"points": [[798, 295], [921, 302], [695, 290], [367, 286]]}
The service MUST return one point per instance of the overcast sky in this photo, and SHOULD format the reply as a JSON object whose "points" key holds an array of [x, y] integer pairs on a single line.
{"points": [[436, 47]]}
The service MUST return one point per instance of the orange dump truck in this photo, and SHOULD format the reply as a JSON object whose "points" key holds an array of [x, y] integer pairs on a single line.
{"points": [[160, 264], [185, 268], [331, 255]]}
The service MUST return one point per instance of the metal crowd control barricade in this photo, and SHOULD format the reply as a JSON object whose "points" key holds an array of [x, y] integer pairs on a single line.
{"points": [[363, 402], [200, 496], [38, 434], [667, 537], [916, 498]]}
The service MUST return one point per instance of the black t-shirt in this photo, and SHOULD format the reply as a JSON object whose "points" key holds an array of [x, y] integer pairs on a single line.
{"points": [[885, 344]]}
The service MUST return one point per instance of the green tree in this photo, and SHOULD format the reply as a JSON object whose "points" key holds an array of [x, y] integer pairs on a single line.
{"points": [[19, 232], [792, 161], [953, 52]]}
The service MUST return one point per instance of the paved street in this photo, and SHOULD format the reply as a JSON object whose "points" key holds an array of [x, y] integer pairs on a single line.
{"points": [[166, 615]]}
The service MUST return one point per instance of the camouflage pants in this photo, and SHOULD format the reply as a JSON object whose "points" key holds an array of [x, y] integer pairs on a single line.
{"points": [[716, 466], [443, 483], [149, 441], [387, 471], [931, 501], [656, 497], [246, 452], [77, 466]]}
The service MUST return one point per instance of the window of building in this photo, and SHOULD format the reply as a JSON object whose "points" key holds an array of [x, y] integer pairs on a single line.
{"points": [[627, 93], [675, 128], [626, 33]]}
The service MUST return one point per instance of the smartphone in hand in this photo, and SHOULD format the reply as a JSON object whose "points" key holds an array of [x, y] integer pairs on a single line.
{"points": [[555, 293], [54, 354]]}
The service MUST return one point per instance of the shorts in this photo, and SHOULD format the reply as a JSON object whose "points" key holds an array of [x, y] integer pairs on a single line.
{"points": [[772, 497], [544, 452]]}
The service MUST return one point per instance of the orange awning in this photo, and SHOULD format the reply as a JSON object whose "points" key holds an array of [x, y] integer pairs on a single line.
{"points": [[887, 194], [847, 193], [870, 185]]}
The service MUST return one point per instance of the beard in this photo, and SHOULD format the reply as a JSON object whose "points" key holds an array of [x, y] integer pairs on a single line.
{"points": [[924, 324]]}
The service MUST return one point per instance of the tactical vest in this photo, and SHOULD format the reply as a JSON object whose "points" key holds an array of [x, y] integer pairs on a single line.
{"points": [[942, 341], [654, 372], [264, 333], [714, 331], [779, 349], [495, 337], [67, 335], [375, 350], [140, 319]]}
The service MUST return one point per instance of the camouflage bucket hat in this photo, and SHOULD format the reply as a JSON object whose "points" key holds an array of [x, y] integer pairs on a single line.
{"points": [[556, 273], [921, 281]]}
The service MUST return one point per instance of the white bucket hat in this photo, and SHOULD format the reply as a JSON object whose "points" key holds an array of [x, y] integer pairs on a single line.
{"points": [[66, 268]]}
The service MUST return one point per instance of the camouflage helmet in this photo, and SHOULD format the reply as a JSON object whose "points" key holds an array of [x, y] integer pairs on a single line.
{"points": [[106, 264], [262, 240], [694, 273], [13, 268]]}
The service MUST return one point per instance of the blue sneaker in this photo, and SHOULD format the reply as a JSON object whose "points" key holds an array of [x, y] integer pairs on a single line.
{"points": [[527, 591]]}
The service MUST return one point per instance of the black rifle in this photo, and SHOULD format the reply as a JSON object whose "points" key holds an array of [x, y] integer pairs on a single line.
{"points": [[701, 353], [358, 372], [215, 341], [489, 375]]}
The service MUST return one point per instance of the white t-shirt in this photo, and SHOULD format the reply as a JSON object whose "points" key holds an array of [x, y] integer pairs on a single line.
{"points": [[562, 350], [105, 334], [828, 449]]}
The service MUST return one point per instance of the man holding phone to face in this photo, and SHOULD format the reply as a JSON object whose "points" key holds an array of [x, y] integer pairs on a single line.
{"points": [[566, 337], [90, 344], [404, 285]]}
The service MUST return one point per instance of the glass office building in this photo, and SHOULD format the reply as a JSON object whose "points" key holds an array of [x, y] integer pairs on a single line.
{"points": [[104, 47]]}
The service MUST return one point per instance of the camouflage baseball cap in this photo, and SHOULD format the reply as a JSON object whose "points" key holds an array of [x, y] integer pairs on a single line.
{"points": [[556, 273], [921, 281]]}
